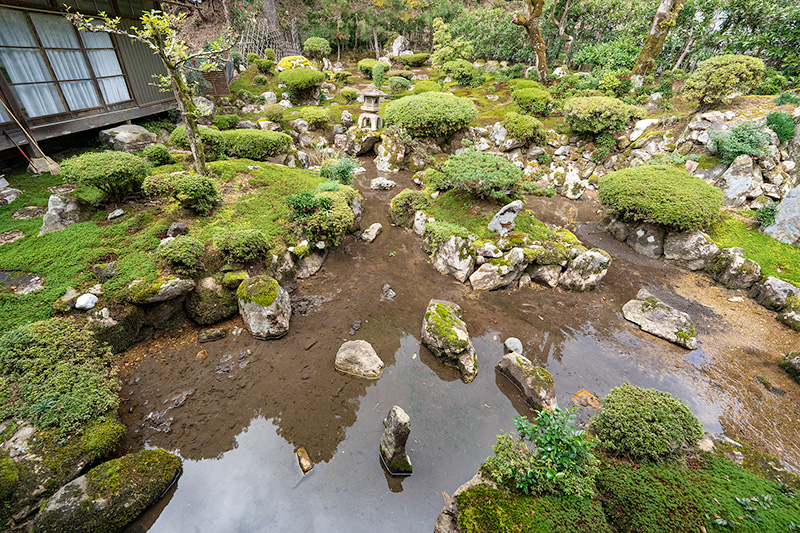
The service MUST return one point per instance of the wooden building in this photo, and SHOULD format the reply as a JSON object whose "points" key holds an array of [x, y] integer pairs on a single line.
{"points": [[57, 80]]}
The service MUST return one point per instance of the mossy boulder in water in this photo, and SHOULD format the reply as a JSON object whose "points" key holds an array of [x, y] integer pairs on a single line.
{"points": [[446, 336], [535, 382], [109, 496], [586, 270], [656, 317], [210, 302], [265, 307], [393, 442]]}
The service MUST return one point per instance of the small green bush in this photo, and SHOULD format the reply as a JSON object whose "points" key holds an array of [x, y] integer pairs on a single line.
{"points": [[398, 84], [407, 74], [252, 57], [265, 66], [766, 215], [365, 66], [430, 114], [645, 423], [269, 53], [518, 85], [340, 170], [305, 204], [478, 173], [661, 194], [747, 138], [717, 78], [426, 86], [349, 94], [301, 80], [772, 82], [274, 112], [212, 140], [260, 79], [405, 204], [782, 124], [225, 122], [317, 117], [463, 72], [256, 144], [331, 225], [191, 190], [116, 174], [183, 253], [378, 75], [598, 114], [241, 246], [414, 60], [316, 48], [524, 128], [533, 101], [158, 155], [788, 98]]}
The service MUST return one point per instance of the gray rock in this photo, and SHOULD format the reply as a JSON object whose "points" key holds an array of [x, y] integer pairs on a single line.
{"points": [[535, 382], [505, 219], [787, 219], [446, 336], [387, 294], [159, 291], [347, 119], [127, 138], [661, 320], [116, 213], [455, 257], [264, 319], [548, 275], [585, 271], [310, 264], [105, 271], [176, 229], [641, 126], [85, 302], [399, 45], [210, 302], [372, 232], [393, 442], [741, 181], [62, 211], [791, 364], [269, 125], [513, 345], [647, 239], [270, 98], [693, 249], [734, 271], [299, 125], [359, 359], [619, 229], [773, 292], [496, 275], [246, 125], [360, 141], [382, 184], [790, 317], [211, 334], [66, 301]]}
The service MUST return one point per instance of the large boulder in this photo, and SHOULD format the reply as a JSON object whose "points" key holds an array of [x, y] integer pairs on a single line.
{"points": [[359, 359], [692, 249], [585, 271], [454, 257], [127, 138], [210, 302], [62, 211], [741, 181], [109, 496], [656, 317], [391, 154], [505, 219], [160, 290], [399, 45], [265, 307], [535, 382], [446, 336], [397, 426], [310, 264], [647, 239], [734, 271], [621, 230], [772, 292], [787, 219], [360, 141]]}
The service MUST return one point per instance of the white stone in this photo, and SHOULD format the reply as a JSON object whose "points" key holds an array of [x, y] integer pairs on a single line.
{"points": [[641, 126], [86, 302]]}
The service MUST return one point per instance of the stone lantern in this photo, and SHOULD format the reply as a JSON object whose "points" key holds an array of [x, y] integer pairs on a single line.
{"points": [[370, 119]]}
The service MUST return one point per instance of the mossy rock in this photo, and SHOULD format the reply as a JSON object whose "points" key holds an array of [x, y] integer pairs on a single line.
{"points": [[109, 496], [260, 289], [160, 290], [122, 331], [232, 280], [210, 302], [791, 364], [446, 336], [9, 476]]}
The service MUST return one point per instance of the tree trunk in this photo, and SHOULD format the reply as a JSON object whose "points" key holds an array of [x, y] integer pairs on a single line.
{"points": [[561, 25], [377, 46], [189, 111], [664, 20], [685, 51], [227, 11], [529, 19]]}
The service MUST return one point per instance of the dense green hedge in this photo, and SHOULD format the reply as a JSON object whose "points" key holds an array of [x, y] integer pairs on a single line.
{"points": [[241, 246], [301, 80], [661, 194], [533, 101], [256, 144], [426, 86], [114, 173], [414, 60], [365, 66], [212, 140], [193, 191], [183, 253], [524, 128], [317, 117], [478, 173], [717, 78], [158, 154], [597, 114], [226, 122], [431, 114]]}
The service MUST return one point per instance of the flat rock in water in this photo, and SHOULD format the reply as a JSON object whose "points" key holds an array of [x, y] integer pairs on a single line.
{"points": [[661, 320], [584, 398], [535, 382], [446, 336], [304, 460], [359, 359]]}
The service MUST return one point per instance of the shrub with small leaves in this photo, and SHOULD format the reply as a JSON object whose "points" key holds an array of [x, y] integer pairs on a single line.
{"points": [[341, 169], [269, 53], [183, 254], [273, 112], [260, 79], [782, 124], [431, 114], [716, 79], [225, 122], [463, 72], [317, 117], [398, 84], [256, 144], [378, 71], [748, 138], [407, 74], [212, 140], [332, 224], [426, 86], [645, 423], [788, 98], [316, 48], [405, 204], [349, 94], [241, 246], [305, 204], [414, 60], [265, 66], [479, 173], [301, 80], [766, 215], [116, 174], [773, 82], [252, 57], [597, 114], [158, 155], [525, 128], [191, 190], [518, 85], [365, 66]]}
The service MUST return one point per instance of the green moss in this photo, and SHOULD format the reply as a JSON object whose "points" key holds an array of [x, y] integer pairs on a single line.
{"points": [[791, 369], [232, 280], [542, 378], [758, 463], [462, 209], [260, 289], [651, 302], [437, 233], [141, 292], [707, 162], [527, 223], [9, 477], [442, 323]]}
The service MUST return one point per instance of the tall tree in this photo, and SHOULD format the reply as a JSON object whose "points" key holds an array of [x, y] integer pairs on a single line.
{"points": [[529, 18], [666, 14], [561, 23]]}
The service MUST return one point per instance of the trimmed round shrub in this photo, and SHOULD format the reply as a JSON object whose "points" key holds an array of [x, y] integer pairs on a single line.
{"points": [[407, 74], [256, 144], [478, 173], [225, 122], [431, 114], [191, 190], [598, 114], [301, 80], [290, 62], [349, 94], [116, 174], [533, 101], [524, 128], [398, 84], [414, 60], [332, 224], [252, 57], [715, 80], [782, 124], [316, 117], [269, 53], [661, 194], [316, 48], [365, 66], [772, 82], [212, 140], [242, 245], [518, 85], [158, 155], [426, 86], [405, 204], [463, 72], [378, 74], [645, 423], [265, 66], [274, 112], [183, 254], [260, 79]]}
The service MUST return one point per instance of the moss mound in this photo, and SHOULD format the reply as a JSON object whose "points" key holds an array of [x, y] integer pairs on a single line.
{"points": [[9, 476], [259, 289]]}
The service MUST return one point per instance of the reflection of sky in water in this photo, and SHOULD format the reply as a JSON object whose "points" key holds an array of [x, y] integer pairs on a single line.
{"points": [[258, 486]]}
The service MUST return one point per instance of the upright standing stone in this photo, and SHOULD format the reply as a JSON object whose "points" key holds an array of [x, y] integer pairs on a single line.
{"points": [[393, 442]]}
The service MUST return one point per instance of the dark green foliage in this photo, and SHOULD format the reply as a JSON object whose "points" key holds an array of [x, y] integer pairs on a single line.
{"points": [[269, 53], [661, 194], [478, 173], [226, 122], [265, 66], [212, 140], [645, 423], [260, 79], [316, 48], [9, 476], [252, 57], [533, 101], [378, 74], [158, 155], [305, 204], [317, 117], [782, 124], [349, 94], [463, 72], [788, 98], [430, 114], [425, 86], [597, 114], [241, 246], [365, 66], [115, 173], [747, 138], [301, 80], [257, 145], [407, 74], [183, 253], [717, 78], [331, 225], [414, 60], [620, 53], [773, 82], [398, 84], [574, 85], [273, 112], [191, 190], [766, 215], [341, 170], [54, 374], [524, 128], [405, 204], [518, 85]]}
